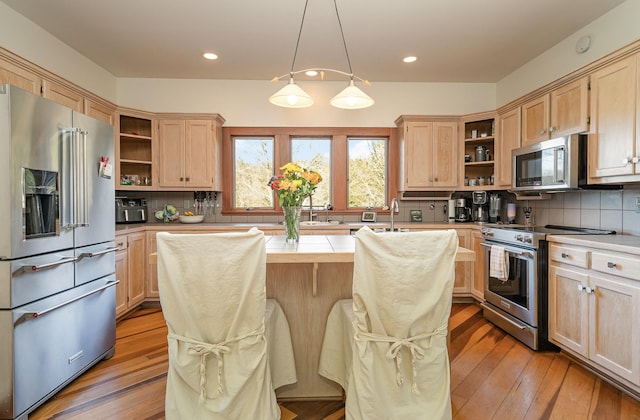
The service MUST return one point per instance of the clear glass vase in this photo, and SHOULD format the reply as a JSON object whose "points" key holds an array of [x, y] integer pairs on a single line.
{"points": [[292, 223]]}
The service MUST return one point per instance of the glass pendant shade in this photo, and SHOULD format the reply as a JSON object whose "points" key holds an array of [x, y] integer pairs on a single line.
{"points": [[291, 96], [352, 97]]}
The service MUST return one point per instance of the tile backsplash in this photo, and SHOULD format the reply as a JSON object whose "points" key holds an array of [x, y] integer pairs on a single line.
{"points": [[615, 210]]}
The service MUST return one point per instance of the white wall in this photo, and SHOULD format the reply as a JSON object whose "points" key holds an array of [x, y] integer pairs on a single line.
{"points": [[26, 39], [613, 30], [244, 103]]}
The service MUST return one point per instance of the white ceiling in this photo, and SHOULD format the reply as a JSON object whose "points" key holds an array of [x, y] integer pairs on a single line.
{"points": [[455, 40]]}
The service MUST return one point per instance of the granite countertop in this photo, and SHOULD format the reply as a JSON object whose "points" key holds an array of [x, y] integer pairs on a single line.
{"points": [[616, 243], [156, 226]]}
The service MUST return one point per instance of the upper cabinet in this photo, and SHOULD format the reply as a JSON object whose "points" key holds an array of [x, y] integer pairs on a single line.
{"points": [[479, 152], [428, 154], [614, 140], [20, 77], [508, 139], [17, 73], [134, 152], [189, 153], [561, 112]]}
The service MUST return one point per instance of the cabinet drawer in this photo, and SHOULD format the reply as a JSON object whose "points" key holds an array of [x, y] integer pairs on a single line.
{"points": [[624, 265], [569, 255]]}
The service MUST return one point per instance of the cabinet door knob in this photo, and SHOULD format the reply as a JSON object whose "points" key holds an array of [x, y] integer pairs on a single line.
{"points": [[611, 264], [635, 159], [626, 161], [181, 179], [564, 255], [187, 179], [543, 131], [552, 129]]}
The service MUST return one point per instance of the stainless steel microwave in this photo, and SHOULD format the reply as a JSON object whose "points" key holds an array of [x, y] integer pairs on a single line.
{"points": [[549, 165]]}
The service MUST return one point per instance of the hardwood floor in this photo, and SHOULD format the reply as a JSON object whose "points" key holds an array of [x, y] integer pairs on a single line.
{"points": [[492, 376]]}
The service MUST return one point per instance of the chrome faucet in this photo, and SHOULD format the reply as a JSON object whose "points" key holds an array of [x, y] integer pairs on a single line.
{"points": [[393, 207]]}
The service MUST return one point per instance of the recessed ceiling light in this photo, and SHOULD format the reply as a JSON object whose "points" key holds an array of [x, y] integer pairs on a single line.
{"points": [[311, 73], [410, 59], [210, 56]]}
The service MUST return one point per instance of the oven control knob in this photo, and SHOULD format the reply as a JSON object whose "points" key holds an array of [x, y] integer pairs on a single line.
{"points": [[519, 238], [528, 239]]}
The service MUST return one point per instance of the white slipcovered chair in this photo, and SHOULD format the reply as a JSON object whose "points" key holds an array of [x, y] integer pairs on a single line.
{"points": [[387, 347], [229, 346]]}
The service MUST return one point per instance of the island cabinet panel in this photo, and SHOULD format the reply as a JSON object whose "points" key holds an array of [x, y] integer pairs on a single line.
{"points": [[292, 286]]}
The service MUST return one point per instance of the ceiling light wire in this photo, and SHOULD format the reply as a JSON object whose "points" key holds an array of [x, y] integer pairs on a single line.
{"points": [[292, 96]]}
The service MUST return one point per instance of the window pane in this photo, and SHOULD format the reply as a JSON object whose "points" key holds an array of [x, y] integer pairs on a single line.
{"points": [[315, 154], [367, 183], [253, 167]]}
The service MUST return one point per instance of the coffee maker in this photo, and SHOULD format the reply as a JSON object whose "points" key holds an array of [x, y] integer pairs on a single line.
{"points": [[463, 213], [480, 206]]}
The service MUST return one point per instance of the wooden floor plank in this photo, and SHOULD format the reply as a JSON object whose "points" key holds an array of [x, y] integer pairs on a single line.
{"points": [[524, 390], [574, 397], [488, 369], [492, 392]]}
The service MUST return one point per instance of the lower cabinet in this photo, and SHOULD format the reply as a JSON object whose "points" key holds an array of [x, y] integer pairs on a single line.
{"points": [[151, 284], [477, 281], [131, 260], [464, 270], [594, 305]]}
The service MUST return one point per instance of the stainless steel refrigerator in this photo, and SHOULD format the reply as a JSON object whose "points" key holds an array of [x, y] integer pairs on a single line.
{"points": [[57, 248]]}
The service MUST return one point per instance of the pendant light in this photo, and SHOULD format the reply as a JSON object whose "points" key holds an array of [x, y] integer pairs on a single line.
{"points": [[293, 96]]}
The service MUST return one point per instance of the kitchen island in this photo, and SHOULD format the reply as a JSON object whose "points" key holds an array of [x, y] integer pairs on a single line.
{"points": [[307, 279]]}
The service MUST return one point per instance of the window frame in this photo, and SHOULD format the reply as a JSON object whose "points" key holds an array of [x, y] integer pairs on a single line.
{"points": [[282, 151]]}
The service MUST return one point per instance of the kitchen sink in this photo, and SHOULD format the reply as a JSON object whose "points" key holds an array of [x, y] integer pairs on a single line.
{"points": [[318, 223]]}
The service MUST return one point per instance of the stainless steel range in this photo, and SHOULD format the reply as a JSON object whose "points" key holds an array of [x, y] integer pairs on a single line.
{"points": [[518, 302]]}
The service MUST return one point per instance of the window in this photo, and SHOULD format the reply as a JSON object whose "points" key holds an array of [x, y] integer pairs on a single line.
{"points": [[315, 154], [252, 168], [367, 181], [357, 166]]}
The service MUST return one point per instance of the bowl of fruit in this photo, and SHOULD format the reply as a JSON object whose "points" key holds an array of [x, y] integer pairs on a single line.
{"points": [[190, 217], [169, 213]]}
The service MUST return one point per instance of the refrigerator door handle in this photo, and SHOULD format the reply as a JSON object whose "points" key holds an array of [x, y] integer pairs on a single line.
{"points": [[31, 268], [96, 254], [83, 184], [66, 180], [31, 315]]}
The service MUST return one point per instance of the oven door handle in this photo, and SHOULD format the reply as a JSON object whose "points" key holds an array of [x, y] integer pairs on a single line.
{"points": [[31, 315], [520, 252], [38, 267], [98, 253]]}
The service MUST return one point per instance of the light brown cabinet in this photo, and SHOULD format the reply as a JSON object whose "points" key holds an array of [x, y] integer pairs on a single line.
{"points": [[563, 111], [151, 282], [594, 302], [62, 95], [189, 153], [134, 151], [20, 77], [464, 270], [130, 271], [614, 140], [477, 283], [479, 134], [428, 154], [509, 124]]}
